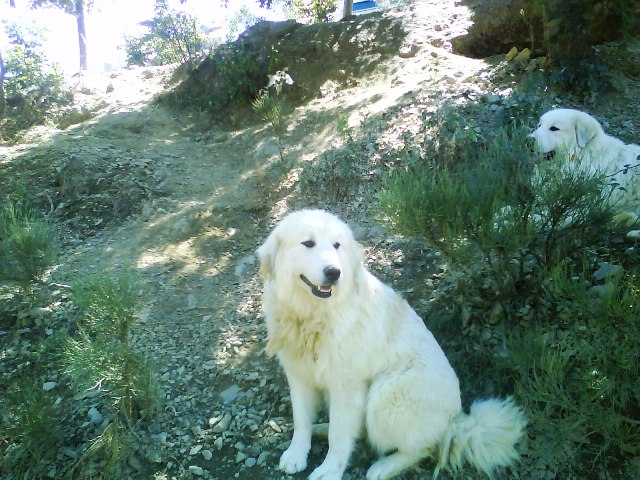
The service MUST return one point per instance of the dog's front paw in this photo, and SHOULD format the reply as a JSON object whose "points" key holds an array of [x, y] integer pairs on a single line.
{"points": [[327, 471], [293, 460]]}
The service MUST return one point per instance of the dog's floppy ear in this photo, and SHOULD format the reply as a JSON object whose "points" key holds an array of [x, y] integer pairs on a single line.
{"points": [[586, 129], [357, 258], [267, 253]]}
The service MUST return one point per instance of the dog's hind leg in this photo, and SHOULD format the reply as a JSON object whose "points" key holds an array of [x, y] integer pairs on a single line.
{"points": [[392, 465]]}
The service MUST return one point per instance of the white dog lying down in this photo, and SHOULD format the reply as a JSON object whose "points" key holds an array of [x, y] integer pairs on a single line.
{"points": [[582, 138], [338, 330]]}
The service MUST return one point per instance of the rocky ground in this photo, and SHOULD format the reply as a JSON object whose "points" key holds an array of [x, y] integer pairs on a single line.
{"points": [[181, 204]]}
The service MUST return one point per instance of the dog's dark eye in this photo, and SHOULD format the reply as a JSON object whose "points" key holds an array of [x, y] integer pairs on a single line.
{"points": [[554, 129], [309, 244], [336, 245]]}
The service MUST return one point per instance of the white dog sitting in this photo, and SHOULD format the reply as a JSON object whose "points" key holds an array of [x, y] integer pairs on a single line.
{"points": [[581, 137], [339, 331]]}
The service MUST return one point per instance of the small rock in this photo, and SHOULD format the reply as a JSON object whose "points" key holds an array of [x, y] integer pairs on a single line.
{"points": [[491, 99], [262, 458], [223, 425], [274, 426], [195, 450], [218, 443], [408, 51], [511, 55], [49, 386], [207, 454], [195, 470], [608, 271], [94, 415], [230, 394], [240, 457], [250, 462], [635, 234], [523, 57]]}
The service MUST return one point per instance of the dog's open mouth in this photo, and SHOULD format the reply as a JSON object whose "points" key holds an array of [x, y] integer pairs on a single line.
{"points": [[321, 291]]}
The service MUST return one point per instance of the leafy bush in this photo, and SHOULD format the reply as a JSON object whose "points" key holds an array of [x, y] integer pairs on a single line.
{"points": [[35, 89], [313, 11], [173, 37]]}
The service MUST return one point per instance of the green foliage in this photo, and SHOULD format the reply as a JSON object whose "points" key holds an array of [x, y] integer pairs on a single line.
{"points": [[273, 107], [233, 74], [27, 246], [577, 379], [32, 429], [101, 358], [313, 11], [35, 89], [497, 210], [173, 37], [106, 457], [336, 175], [241, 21], [572, 27]]}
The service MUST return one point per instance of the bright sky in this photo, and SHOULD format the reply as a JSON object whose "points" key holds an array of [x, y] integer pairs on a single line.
{"points": [[108, 22]]}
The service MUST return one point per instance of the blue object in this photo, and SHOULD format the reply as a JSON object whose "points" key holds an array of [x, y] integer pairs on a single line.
{"points": [[364, 5]]}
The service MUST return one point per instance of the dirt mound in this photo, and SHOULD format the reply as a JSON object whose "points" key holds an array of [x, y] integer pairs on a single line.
{"points": [[312, 54]]}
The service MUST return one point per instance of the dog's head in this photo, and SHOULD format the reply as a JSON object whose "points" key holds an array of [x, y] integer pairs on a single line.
{"points": [[567, 131], [312, 253]]}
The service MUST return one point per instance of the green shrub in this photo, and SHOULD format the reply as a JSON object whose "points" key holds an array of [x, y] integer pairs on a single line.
{"points": [[35, 90], [313, 11], [573, 27], [233, 74], [273, 106], [107, 456], [31, 427], [101, 355], [173, 37], [27, 246], [496, 211], [577, 378]]}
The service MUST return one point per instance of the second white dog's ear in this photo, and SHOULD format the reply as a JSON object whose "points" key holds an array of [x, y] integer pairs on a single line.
{"points": [[586, 129], [267, 256]]}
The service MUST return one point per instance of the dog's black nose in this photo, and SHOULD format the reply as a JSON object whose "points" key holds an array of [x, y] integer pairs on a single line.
{"points": [[332, 274]]}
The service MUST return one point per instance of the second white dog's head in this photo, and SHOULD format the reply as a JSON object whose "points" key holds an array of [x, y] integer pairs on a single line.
{"points": [[565, 130], [311, 253]]}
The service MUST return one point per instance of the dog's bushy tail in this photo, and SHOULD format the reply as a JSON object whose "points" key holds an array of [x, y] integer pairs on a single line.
{"points": [[485, 438]]}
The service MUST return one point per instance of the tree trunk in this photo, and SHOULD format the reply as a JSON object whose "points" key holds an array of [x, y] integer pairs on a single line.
{"points": [[82, 34], [3, 103], [348, 9]]}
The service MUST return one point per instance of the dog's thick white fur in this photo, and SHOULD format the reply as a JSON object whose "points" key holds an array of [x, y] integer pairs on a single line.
{"points": [[339, 331], [580, 137]]}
